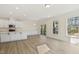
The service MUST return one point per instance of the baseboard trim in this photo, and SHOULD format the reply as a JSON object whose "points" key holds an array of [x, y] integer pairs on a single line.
{"points": [[56, 39]]}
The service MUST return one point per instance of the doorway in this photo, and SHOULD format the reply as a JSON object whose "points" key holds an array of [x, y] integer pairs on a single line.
{"points": [[43, 29]]}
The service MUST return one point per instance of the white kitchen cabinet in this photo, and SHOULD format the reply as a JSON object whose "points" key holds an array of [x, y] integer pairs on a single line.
{"points": [[19, 24], [6, 22], [18, 36], [11, 21], [12, 36], [4, 37], [3, 23], [23, 35]]}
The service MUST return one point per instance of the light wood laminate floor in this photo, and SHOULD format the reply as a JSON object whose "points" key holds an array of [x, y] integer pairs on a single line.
{"points": [[29, 46]]}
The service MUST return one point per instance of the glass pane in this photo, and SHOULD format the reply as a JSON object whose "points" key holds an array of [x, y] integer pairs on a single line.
{"points": [[73, 26]]}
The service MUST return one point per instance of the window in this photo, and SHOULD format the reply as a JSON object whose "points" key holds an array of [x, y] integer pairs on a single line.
{"points": [[73, 26]]}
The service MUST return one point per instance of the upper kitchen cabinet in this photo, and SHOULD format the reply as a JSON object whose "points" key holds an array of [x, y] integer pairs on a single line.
{"points": [[18, 24], [12, 21], [3, 23]]}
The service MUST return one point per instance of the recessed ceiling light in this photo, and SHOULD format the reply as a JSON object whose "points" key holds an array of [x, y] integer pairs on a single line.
{"points": [[49, 16], [47, 5], [17, 8], [10, 12], [24, 14], [34, 24]]}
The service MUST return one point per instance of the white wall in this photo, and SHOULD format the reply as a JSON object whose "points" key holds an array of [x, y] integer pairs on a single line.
{"points": [[62, 20], [61, 31], [30, 26]]}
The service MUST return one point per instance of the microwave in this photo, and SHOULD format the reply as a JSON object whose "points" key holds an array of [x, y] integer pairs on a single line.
{"points": [[13, 26]]}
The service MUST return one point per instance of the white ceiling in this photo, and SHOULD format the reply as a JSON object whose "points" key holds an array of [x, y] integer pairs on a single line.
{"points": [[34, 11]]}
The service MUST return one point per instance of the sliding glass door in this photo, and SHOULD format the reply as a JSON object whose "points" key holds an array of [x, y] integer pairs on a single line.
{"points": [[73, 26]]}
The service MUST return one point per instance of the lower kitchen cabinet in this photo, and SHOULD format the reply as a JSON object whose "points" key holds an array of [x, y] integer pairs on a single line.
{"points": [[12, 36], [4, 37]]}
